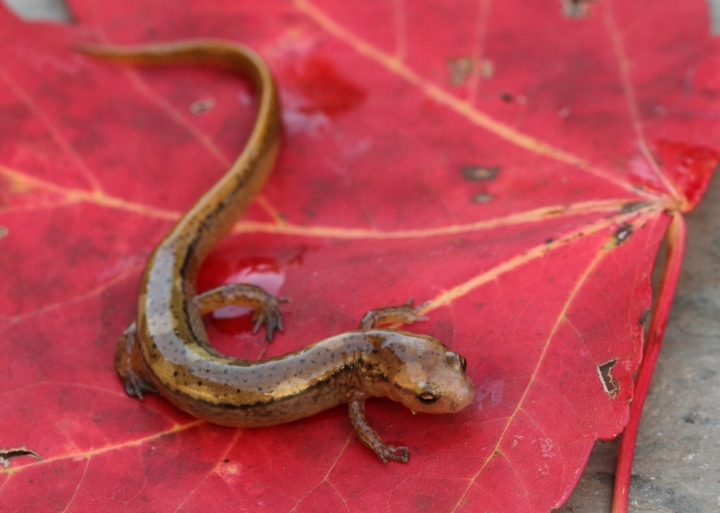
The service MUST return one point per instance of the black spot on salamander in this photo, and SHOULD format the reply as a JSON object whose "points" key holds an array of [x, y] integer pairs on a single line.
{"points": [[191, 371], [480, 173], [154, 346], [175, 374], [549, 240], [199, 383], [302, 360], [207, 370], [225, 371]]}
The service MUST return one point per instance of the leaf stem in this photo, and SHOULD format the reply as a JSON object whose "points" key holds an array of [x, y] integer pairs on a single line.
{"points": [[676, 238]]}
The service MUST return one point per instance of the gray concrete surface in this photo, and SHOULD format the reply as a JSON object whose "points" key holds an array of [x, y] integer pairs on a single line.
{"points": [[677, 462]]}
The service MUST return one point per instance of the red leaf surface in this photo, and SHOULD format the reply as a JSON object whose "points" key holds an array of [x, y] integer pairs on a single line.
{"points": [[509, 165]]}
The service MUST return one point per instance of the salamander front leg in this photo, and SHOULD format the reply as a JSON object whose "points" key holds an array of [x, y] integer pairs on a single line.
{"points": [[264, 304], [403, 314], [356, 412], [128, 365]]}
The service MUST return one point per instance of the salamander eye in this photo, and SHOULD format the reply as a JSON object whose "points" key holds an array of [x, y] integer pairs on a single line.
{"points": [[427, 398]]}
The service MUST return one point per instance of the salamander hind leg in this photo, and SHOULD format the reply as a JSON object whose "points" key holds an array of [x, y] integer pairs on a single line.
{"points": [[265, 305], [128, 365], [403, 314]]}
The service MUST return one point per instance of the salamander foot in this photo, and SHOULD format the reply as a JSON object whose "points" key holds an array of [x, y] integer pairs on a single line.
{"points": [[356, 412], [403, 314], [265, 305], [127, 365]]}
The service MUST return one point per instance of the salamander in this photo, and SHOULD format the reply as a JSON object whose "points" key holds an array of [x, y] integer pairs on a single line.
{"points": [[167, 351]]}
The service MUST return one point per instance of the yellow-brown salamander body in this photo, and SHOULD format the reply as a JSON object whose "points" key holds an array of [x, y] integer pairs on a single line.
{"points": [[167, 350]]}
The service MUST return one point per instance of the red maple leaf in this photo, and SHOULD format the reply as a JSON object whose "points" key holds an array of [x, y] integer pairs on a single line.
{"points": [[514, 168]]}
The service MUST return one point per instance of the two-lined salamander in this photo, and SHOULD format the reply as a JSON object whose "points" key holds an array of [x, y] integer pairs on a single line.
{"points": [[167, 350]]}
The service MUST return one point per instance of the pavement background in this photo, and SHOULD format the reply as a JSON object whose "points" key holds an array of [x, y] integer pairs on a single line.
{"points": [[677, 460]]}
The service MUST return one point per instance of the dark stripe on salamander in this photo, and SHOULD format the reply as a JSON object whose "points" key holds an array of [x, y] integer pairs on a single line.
{"points": [[271, 400], [192, 248]]}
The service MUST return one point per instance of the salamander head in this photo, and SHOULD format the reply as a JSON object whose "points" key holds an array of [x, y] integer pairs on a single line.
{"points": [[418, 371]]}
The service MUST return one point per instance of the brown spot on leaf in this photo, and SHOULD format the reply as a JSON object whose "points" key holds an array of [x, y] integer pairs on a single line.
{"points": [[610, 384], [483, 197], [480, 173], [460, 69], [518, 99], [506, 97], [202, 106], [622, 233], [633, 206], [7, 454], [576, 8]]}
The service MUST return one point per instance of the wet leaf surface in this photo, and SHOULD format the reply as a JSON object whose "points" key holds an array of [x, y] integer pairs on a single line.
{"points": [[508, 164]]}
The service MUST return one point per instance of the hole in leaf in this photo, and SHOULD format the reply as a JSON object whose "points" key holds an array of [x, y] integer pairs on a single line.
{"points": [[7, 454], [610, 384]]}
